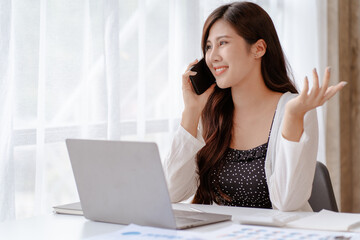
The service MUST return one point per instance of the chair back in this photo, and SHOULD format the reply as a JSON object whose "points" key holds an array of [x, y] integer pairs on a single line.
{"points": [[322, 195]]}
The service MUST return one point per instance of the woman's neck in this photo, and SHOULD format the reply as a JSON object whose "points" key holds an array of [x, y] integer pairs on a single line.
{"points": [[252, 94]]}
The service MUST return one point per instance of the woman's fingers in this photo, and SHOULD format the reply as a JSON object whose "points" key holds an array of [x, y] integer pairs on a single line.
{"points": [[315, 88], [318, 92], [332, 90], [305, 90], [316, 79], [326, 80], [318, 95], [191, 65], [324, 86], [188, 72]]}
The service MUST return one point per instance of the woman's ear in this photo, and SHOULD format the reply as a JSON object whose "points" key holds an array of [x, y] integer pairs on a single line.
{"points": [[258, 49]]}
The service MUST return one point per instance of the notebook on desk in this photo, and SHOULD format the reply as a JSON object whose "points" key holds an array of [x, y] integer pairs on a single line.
{"points": [[123, 182], [70, 208]]}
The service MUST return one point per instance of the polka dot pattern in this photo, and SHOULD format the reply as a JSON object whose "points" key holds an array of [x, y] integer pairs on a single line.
{"points": [[242, 178]]}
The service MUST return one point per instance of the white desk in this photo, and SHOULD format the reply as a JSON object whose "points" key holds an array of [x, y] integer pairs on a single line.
{"points": [[68, 227]]}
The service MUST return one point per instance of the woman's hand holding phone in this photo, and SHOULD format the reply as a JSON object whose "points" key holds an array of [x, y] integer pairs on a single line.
{"points": [[194, 104]]}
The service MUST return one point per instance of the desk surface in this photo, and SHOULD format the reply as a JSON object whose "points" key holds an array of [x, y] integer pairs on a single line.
{"points": [[60, 226]]}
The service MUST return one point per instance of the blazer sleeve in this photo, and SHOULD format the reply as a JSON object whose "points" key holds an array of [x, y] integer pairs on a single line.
{"points": [[290, 183], [180, 165]]}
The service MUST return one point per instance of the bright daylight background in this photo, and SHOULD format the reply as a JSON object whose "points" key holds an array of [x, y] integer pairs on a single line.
{"points": [[108, 70]]}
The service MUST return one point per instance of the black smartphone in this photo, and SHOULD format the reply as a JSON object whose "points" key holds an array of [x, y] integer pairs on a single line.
{"points": [[203, 79]]}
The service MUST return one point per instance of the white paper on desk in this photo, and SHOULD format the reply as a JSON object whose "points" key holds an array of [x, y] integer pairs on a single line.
{"points": [[327, 220], [237, 231], [232, 232], [136, 232]]}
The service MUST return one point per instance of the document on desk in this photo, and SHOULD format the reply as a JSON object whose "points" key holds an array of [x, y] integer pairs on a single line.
{"points": [[328, 220], [136, 232], [232, 232], [235, 231]]}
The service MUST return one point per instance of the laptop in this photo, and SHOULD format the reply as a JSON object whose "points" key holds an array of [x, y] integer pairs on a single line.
{"points": [[123, 182]]}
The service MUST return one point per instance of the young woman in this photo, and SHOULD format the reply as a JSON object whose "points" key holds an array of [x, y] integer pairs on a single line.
{"points": [[250, 140]]}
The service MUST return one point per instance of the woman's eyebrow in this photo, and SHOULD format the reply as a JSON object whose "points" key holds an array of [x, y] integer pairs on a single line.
{"points": [[219, 37]]}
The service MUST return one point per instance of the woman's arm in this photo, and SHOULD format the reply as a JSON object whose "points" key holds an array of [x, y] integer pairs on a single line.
{"points": [[180, 165], [290, 182], [296, 150], [296, 108]]}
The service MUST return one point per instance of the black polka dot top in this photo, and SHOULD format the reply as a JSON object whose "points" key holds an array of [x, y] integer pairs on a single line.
{"points": [[241, 178]]}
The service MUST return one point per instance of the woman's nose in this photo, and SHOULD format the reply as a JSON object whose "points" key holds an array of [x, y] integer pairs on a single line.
{"points": [[214, 55]]}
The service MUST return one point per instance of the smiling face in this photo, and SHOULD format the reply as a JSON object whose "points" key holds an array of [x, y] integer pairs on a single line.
{"points": [[228, 56]]}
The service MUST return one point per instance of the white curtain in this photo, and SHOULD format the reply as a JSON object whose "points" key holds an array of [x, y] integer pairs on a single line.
{"points": [[302, 29], [101, 69], [7, 174]]}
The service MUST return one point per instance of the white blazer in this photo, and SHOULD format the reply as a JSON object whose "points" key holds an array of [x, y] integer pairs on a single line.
{"points": [[289, 166]]}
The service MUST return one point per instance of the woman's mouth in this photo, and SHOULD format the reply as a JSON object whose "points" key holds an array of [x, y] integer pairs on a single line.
{"points": [[220, 70]]}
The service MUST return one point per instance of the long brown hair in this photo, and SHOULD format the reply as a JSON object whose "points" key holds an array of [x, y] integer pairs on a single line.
{"points": [[252, 23]]}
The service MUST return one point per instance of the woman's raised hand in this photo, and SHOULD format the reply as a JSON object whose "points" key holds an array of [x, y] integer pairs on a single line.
{"points": [[192, 101], [318, 95], [297, 107]]}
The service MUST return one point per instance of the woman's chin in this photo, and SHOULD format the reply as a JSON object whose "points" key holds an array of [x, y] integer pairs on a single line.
{"points": [[221, 85]]}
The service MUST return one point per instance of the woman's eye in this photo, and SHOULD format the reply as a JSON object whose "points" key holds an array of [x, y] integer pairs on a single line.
{"points": [[207, 47], [222, 43]]}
